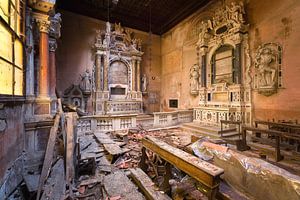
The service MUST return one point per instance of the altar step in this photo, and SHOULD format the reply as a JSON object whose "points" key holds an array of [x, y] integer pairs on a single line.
{"points": [[230, 135]]}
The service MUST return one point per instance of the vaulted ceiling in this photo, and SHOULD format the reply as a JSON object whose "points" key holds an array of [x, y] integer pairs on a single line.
{"points": [[165, 14]]}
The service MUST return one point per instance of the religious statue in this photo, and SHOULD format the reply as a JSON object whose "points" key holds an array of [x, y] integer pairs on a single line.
{"points": [[144, 83], [98, 37], [108, 28], [267, 74], [127, 37], [55, 24], [206, 26], [194, 76], [236, 12], [118, 28], [85, 84]]}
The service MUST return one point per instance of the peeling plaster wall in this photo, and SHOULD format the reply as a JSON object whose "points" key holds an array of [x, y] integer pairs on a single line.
{"points": [[270, 21], [12, 138], [74, 55], [278, 21]]}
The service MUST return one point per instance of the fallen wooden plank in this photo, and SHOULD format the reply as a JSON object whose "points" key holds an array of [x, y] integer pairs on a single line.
{"points": [[118, 184], [55, 186], [70, 148], [110, 146], [146, 185], [49, 154]]}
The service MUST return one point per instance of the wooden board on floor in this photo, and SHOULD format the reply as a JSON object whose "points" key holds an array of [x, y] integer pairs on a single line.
{"points": [[110, 146], [118, 184], [146, 185]]}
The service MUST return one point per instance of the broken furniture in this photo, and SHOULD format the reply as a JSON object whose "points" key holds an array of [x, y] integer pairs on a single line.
{"points": [[207, 174]]}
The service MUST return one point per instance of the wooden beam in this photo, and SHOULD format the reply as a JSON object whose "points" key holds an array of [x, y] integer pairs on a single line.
{"points": [[207, 174]]}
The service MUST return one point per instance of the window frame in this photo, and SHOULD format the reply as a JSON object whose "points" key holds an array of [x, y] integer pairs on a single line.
{"points": [[14, 36]]}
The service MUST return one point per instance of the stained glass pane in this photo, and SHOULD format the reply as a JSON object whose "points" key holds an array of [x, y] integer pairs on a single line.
{"points": [[18, 53], [4, 9], [6, 80], [6, 43], [18, 82]]}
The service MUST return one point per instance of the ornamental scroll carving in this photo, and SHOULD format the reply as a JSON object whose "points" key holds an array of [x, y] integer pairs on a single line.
{"points": [[268, 68]]}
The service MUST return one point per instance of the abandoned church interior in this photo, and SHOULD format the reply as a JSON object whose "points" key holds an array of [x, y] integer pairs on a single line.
{"points": [[149, 99]]}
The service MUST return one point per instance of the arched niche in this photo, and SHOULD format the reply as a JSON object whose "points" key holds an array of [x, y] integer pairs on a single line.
{"points": [[222, 65], [118, 79]]}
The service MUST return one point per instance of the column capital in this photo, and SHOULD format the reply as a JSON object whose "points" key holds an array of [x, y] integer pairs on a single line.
{"points": [[42, 21], [52, 44]]}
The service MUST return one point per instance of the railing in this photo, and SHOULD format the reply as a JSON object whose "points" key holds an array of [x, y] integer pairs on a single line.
{"points": [[164, 119], [121, 122], [106, 123]]}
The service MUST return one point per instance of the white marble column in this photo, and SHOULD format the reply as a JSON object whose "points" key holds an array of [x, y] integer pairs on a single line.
{"points": [[133, 72], [138, 75]]}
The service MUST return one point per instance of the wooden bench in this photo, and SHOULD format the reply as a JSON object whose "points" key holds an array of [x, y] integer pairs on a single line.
{"points": [[277, 134], [284, 127], [207, 174]]}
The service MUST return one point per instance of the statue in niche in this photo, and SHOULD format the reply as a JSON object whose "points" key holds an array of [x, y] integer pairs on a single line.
{"points": [[206, 26], [194, 76], [144, 83], [267, 66], [236, 12], [85, 84]]}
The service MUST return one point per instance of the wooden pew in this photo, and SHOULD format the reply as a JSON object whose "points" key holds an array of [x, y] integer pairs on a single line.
{"points": [[284, 127], [277, 134], [207, 174]]}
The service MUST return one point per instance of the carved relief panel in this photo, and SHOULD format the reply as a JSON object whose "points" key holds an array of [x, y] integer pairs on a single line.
{"points": [[268, 74]]}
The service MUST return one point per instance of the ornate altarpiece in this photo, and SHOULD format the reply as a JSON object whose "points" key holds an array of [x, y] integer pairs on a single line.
{"points": [[224, 85], [116, 73]]}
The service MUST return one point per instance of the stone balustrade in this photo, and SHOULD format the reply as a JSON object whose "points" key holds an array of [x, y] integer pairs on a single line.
{"points": [[122, 122], [165, 119]]}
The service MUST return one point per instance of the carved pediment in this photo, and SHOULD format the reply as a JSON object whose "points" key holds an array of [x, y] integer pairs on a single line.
{"points": [[227, 20], [119, 39]]}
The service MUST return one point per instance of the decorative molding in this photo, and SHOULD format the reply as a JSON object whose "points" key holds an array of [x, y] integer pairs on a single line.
{"points": [[42, 22], [52, 45]]}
